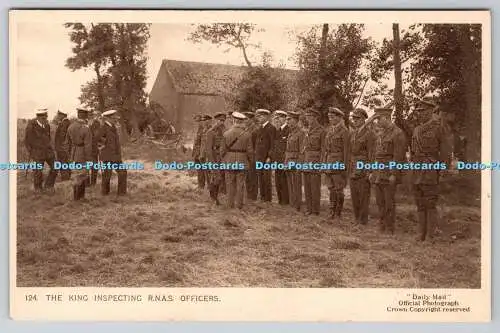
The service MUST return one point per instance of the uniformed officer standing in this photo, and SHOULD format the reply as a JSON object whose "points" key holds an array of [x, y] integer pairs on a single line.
{"points": [[62, 152], [95, 126], [79, 141], [38, 143], [431, 143], [390, 146], [197, 149], [282, 132], [251, 172], [336, 152], [362, 150], [111, 152], [215, 137], [294, 143], [264, 144], [236, 148], [314, 140]]}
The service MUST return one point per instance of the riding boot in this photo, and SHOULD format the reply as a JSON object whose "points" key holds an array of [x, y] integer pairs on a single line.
{"points": [[333, 204], [340, 203], [76, 192]]}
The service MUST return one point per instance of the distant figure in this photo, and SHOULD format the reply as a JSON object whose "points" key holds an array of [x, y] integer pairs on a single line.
{"points": [[79, 141], [110, 151], [38, 143], [282, 132], [236, 148], [62, 152]]}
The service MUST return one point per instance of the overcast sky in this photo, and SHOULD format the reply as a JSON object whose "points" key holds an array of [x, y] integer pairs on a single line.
{"points": [[43, 48]]}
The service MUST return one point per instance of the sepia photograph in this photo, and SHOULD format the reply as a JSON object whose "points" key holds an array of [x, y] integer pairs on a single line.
{"points": [[242, 151]]}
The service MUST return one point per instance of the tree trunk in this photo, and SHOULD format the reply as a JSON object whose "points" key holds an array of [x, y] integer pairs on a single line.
{"points": [[100, 87], [322, 72], [398, 86]]}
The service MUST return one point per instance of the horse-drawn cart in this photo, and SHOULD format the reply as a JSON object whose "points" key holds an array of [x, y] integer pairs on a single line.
{"points": [[164, 135]]}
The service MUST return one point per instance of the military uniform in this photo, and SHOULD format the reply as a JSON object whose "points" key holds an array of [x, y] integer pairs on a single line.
{"points": [[314, 140], [431, 143], [79, 141], [336, 149], [109, 139], [251, 172], [197, 152], [264, 145], [280, 179], [390, 146], [38, 143], [214, 140], [95, 127], [236, 148], [362, 149], [62, 152], [294, 143]]}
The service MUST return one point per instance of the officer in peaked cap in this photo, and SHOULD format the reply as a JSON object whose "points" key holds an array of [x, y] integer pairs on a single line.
{"points": [[236, 147], [37, 141], [62, 152], [391, 146], [264, 144], [282, 132], [111, 152], [251, 173], [214, 139], [431, 142], [197, 153], [361, 149], [293, 154], [79, 141]]}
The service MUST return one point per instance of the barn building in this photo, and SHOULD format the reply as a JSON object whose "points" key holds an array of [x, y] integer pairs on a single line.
{"points": [[183, 89]]}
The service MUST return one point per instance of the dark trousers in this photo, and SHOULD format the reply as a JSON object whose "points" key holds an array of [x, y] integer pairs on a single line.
{"points": [[215, 180], [426, 197], [265, 185], [201, 175], [312, 189], [294, 180], [63, 157], [360, 195], [280, 180], [336, 183], [38, 174], [106, 181], [235, 187], [251, 182], [385, 194], [94, 172]]}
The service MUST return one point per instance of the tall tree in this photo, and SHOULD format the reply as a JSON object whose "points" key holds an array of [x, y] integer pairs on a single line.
{"points": [[330, 66], [398, 85], [234, 35]]}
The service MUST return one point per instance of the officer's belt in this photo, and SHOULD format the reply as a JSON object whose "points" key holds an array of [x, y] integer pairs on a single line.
{"points": [[236, 151]]}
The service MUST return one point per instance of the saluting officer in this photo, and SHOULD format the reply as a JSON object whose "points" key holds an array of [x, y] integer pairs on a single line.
{"points": [[282, 132], [38, 143], [294, 143], [214, 140], [236, 148], [313, 142], [79, 141], [431, 143], [362, 150], [390, 146], [336, 152]]}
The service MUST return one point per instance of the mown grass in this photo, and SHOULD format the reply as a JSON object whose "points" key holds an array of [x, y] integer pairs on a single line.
{"points": [[165, 233]]}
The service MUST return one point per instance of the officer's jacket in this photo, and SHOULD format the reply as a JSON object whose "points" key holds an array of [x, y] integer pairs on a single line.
{"points": [[264, 142], [314, 140], [79, 141], [60, 136], [294, 144], [37, 140], [390, 147], [109, 139], [363, 142], [336, 147], [197, 141], [203, 142], [431, 143], [237, 145], [280, 143], [214, 140], [94, 128]]}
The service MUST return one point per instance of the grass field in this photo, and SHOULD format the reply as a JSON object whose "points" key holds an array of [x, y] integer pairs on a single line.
{"points": [[165, 233]]}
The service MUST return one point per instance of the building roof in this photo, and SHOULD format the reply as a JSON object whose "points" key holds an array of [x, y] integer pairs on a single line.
{"points": [[201, 78]]}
